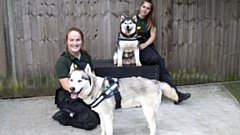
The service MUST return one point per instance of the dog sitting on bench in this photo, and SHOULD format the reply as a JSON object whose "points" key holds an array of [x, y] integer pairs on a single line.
{"points": [[127, 51]]}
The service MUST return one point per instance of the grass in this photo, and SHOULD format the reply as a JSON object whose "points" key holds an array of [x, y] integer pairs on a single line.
{"points": [[234, 88]]}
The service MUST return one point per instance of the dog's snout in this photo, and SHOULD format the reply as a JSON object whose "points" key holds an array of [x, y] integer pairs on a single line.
{"points": [[128, 27], [72, 88]]}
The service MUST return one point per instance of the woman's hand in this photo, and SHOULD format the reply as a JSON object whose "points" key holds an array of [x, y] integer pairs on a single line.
{"points": [[142, 46]]}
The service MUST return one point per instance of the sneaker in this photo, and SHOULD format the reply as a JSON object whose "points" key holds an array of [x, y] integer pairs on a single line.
{"points": [[57, 116], [182, 96]]}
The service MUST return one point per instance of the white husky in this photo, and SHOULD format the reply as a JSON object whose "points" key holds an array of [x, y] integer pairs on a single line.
{"points": [[135, 91]]}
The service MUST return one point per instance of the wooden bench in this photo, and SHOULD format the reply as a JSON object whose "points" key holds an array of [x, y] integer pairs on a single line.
{"points": [[106, 68]]}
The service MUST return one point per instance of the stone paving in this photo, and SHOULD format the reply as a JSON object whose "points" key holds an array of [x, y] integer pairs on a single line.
{"points": [[211, 110]]}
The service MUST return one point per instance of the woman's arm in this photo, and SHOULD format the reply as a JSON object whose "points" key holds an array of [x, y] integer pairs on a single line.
{"points": [[150, 40], [65, 84]]}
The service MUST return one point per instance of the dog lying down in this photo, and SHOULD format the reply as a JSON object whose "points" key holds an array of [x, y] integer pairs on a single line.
{"points": [[134, 91]]}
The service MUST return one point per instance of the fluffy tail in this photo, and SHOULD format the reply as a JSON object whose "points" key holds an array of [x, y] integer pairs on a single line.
{"points": [[168, 91]]}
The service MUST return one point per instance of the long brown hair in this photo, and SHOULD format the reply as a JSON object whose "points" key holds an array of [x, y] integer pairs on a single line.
{"points": [[82, 37], [152, 14]]}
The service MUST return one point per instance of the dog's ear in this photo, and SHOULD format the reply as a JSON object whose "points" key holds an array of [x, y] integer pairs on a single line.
{"points": [[88, 69], [134, 18], [122, 17]]}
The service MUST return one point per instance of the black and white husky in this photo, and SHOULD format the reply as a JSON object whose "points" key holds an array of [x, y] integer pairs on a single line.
{"points": [[134, 91], [127, 51]]}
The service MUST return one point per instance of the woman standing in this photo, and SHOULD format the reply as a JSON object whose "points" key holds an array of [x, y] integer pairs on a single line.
{"points": [[146, 27], [73, 112]]}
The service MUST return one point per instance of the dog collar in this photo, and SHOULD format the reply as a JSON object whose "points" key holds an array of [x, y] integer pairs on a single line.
{"points": [[108, 92], [131, 37], [127, 39]]}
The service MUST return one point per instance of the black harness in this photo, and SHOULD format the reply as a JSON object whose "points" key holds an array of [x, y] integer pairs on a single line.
{"points": [[109, 91]]}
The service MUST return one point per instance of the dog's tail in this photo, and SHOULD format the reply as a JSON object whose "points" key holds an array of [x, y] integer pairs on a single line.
{"points": [[168, 91]]}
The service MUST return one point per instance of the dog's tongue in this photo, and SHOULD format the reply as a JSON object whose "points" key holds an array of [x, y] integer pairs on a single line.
{"points": [[73, 95]]}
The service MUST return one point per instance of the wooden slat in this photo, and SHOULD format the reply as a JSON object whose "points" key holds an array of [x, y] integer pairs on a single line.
{"points": [[226, 38], [192, 43], [165, 31], [237, 62], [159, 23], [174, 52], [27, 48], [216, 38], [199, 40], [34, 39], [233, 39], [19, 39], [3, 60], [180, 41]]}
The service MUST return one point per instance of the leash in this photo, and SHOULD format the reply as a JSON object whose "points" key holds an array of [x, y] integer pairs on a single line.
{"points": [[109, 91]]}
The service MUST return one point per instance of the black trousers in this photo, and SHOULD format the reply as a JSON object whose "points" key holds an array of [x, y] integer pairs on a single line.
{"points": [[150, 56], [83, 118]]}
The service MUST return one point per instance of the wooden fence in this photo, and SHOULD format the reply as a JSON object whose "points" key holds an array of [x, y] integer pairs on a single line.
{"points": [[198, 39]]}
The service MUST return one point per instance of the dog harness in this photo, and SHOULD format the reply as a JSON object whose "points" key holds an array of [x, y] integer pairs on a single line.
{"points": [[109, 91]]}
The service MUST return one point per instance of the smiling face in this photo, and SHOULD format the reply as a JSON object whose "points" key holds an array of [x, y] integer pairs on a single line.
{"points": [[145, 9], [74, 41]]}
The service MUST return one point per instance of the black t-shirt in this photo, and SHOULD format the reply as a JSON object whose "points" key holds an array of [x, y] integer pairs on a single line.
{"points": [[142, 30]]}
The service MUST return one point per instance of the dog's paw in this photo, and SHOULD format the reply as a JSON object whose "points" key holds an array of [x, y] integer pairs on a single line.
{"points": [[119, 65], [138, 64]]}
